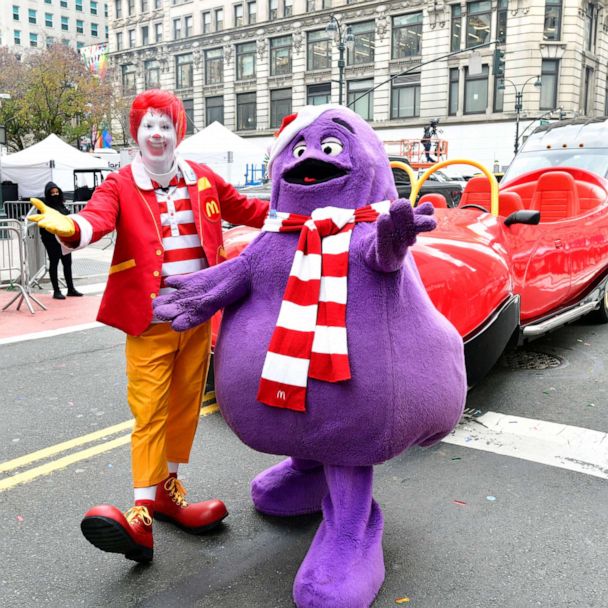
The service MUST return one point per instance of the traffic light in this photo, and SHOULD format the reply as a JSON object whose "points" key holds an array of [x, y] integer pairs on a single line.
{"points": [[499, 63]]}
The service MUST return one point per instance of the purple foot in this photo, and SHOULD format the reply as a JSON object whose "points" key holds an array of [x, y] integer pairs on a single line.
{"points": [[292, 487], [344, 567]]}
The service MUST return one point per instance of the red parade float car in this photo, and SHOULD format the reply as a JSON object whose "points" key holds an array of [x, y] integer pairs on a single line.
{"points": [[511, 264]]}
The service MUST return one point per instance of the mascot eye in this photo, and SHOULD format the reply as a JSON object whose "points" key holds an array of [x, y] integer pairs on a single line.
{"points": [[299, 150], [332, 146]]}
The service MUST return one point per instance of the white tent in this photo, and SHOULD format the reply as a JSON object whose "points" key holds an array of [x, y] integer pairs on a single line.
{"points": [[50, 160], [223, 151]]}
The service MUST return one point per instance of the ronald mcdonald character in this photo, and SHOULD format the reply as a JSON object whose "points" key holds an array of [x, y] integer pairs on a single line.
{"points": [[346, 362], [167, 215]]}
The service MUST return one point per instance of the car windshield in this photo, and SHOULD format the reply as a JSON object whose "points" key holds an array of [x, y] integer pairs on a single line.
{"points": [[591, 159]]}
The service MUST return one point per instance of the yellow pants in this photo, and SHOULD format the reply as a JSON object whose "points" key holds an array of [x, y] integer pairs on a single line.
{"points": [[166, 373]]}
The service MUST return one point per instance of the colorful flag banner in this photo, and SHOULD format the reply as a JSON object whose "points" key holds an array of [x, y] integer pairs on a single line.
{"points": [[95, 57]]}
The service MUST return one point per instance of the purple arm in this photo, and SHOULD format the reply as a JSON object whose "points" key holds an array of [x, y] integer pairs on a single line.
{"points": [[385, 249], [201, 294]]}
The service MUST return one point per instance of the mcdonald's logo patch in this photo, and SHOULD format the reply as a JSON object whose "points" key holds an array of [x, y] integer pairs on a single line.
{"points": [[212, 211], [203, 184], [281, 395]]}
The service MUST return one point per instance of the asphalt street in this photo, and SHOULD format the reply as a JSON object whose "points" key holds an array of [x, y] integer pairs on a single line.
{"points": [[463, 527]]}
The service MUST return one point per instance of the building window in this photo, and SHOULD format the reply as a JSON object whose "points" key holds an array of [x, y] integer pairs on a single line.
{"points": [[318, 94], [183, 71], [177, 29], [79, 26], [31, 16], [479, 18], [65, 24], [287, 8], [363, 48], [325, 4], [588, 92], [251, 12], [63, 3], [214, 66], [553, 20], [311, 6], [405, 96], [17, 37], [145, 35], [145, 6], [407, 35], [206, 22], [50, 41], [131, 34], [273, 9], [219, 19], [118, 8], [245, 60], [33, 39], [318, 51], [280, 56], [79, 6], [48, 19], [548, 80], [280, 106], [476, 91], [93, 7], [456, 27], [152, 74], [214, 110], [245, 111], [128, 79], [189, 110], [188, 26], [158, 32], [357, 101], [499, 95], [238, 15], [15, 13], [501, 20], [130, 7], [119, 41], [453, 91], [590, 26], [158, 4]]}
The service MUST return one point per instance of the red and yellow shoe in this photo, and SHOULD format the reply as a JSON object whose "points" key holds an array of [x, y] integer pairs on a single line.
{"points": [[194, 518], [130, 534]]}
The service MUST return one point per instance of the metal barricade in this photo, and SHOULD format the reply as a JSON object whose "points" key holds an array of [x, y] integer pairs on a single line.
{"points": [[14, 271], [35, 252], [17, 210]]}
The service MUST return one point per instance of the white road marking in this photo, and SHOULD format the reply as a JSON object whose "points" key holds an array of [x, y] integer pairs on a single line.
{"points": [[49, 333], [559, 445]]}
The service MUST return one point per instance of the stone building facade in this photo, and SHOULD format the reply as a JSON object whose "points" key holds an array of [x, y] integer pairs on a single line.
{"points": [[247, 63]]}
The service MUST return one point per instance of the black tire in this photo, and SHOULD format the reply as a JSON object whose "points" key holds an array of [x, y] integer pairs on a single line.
{"points": [[601, 314]]}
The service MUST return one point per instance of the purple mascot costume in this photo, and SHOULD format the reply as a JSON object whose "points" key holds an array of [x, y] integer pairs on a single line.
{"points": [[330, 351]]}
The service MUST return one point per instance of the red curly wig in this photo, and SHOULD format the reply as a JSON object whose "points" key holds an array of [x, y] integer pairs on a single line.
{"points": [[164, 102]]}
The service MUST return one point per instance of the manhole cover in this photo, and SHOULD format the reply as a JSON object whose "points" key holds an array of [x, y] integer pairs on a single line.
{"points": [[528, 359]]}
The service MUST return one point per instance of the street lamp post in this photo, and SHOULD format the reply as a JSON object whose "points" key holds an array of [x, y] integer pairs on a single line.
{"points": [[519, 95], [345, 39]]}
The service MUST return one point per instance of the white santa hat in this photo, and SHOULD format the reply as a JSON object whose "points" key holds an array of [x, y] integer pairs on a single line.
{"points": [[293, 124]]}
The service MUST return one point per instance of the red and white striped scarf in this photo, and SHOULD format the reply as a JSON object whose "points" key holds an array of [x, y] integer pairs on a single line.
{"points": [[309, 340]]}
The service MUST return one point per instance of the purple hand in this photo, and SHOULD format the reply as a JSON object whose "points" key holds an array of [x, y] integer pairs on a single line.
{"points": [[201, 294], [396, 232]]}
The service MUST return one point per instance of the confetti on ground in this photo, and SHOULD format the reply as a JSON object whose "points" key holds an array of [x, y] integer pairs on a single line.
{"points": [[591, 405], [459, 502], [468, 438], [456, 458], [402, 600], [491, 498], [20, 518]]}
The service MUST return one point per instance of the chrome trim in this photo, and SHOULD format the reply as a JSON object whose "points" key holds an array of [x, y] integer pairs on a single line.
{"points": [[537, 329]]}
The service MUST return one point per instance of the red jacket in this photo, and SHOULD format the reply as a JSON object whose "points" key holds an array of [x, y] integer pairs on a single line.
{"points": [[135, 274]]}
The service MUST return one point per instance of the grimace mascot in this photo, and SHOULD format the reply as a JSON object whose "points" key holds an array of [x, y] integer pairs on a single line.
{"points": [[330, 351]]}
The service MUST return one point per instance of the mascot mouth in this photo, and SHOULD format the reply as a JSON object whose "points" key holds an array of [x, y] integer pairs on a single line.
{"points": [[313, 171]]}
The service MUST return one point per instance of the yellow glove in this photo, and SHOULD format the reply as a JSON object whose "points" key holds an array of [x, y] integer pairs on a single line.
{"points": [[50, 219]]}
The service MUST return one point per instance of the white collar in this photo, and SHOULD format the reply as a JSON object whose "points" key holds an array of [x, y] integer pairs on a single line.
{"points": [[143, 181]]}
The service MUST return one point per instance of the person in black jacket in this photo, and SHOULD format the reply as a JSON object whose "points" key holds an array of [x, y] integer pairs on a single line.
{"points": [[53, 197]]}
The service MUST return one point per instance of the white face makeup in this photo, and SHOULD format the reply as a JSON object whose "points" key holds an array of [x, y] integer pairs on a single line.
{"points": [[157, 140]]}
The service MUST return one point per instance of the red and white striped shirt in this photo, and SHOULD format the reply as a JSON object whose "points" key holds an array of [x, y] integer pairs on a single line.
{"points": [[182, 245]]}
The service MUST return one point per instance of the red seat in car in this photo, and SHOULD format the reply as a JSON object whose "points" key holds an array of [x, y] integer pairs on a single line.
{"points": [[508, 202], [476, 192], [437, 200], [555, 196]]}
